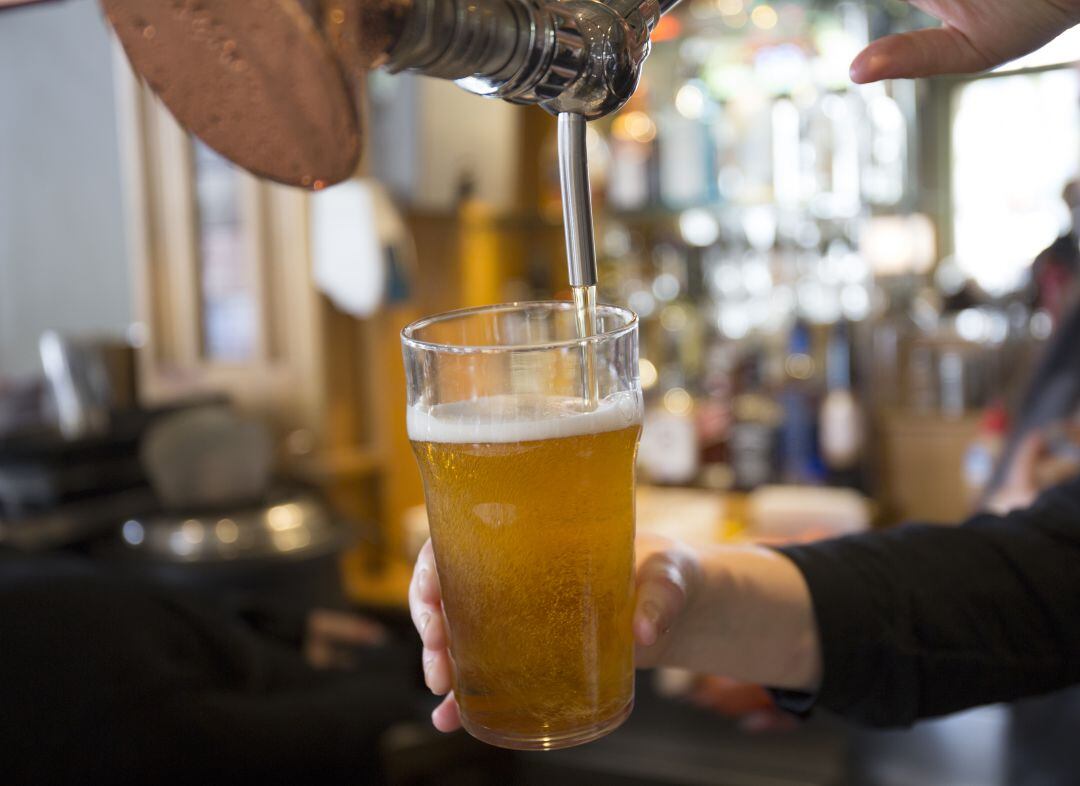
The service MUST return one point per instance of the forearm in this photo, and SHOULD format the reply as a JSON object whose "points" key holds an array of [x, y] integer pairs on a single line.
{"points": [[890, 627], [922, 621], [750, 617]]}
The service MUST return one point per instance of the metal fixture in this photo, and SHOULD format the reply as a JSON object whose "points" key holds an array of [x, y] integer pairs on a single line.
{"points": [[271, 84]]}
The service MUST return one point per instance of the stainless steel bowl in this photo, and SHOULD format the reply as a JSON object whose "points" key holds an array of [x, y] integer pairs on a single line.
{"points": [[299, 527]]}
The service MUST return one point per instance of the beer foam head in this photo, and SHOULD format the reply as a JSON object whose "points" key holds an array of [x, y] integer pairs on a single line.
{"points": [[521, 418]]}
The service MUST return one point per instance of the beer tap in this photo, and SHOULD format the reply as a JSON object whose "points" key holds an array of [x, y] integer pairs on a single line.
{"points": [[271, 84], [577, 56]]}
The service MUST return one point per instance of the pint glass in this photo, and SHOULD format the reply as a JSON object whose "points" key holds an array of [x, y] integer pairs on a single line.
{"points": [[526, 437]]}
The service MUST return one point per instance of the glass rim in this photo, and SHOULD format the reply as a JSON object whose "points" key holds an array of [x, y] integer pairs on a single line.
{"points": [[409, 332]]}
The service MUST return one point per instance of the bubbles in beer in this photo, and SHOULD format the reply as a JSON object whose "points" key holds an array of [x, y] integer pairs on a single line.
{"points": [[531, 505]]}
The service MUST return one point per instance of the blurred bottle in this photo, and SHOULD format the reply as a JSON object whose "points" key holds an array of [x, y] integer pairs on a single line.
{"points": [[678, 291], [755, 431], [953, 378], [786, 154], [886, 163], [669, 451], [833, 136], [714, 416], [922, 378], [686, 151], [632, 183], [841, 419], [752, 162], [800, 460]]}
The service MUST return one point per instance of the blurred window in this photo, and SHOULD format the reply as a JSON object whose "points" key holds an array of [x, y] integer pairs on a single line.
{"points": [[1015, 144], [228, 281]]}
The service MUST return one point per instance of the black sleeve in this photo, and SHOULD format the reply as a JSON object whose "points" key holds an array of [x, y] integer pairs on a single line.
{"points": [[923, 620]]}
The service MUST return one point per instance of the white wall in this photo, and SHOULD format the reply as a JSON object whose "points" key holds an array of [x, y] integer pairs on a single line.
{"points": [[63, 261]]}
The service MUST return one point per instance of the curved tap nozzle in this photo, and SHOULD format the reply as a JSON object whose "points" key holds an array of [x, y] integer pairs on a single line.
{"points": [[569, 56], [614, 45]]}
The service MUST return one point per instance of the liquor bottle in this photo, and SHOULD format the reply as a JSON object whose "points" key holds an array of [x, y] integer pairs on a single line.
{"points": [[833, 135], [755, 428], [841, 422], [885, 171], [632, 182], [687, 161], [786, 154], [800, 460], [713, 415], [669, 452]]}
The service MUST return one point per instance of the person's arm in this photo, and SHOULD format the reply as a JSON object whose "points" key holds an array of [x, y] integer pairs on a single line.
{"points": [[740, 612], [744, 613], [922, 621], [910, 623], [885, 628]]}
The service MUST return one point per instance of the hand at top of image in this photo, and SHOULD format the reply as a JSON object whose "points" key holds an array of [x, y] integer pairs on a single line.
{"points": [[975, 35]]}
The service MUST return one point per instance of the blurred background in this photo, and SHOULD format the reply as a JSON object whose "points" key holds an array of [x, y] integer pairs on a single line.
{"points": [[843, 288]]}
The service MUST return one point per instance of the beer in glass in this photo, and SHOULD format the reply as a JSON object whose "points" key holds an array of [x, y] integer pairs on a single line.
{"points": [[529, 482]]}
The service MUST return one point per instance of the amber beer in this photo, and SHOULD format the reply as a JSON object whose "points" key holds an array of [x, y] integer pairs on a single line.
{"points": [[531, 504]]}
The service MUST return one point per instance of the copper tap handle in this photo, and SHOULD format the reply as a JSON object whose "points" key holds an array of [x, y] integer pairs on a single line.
{"points": [[255, 80]]}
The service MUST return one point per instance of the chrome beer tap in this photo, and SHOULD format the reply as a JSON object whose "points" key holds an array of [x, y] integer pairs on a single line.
{"points": [[578, 56], [270, 84]]}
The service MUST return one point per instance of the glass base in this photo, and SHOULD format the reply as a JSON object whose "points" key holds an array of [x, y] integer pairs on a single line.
{"points": [[549, 742]]}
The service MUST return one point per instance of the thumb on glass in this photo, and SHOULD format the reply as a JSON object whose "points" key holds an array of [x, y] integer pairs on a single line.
{"points": [[664, 583]]}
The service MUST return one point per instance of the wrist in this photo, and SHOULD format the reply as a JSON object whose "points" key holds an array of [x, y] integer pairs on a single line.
{"points": [[749, 616]]}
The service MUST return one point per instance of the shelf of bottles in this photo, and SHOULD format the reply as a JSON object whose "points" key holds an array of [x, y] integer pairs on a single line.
{"points": [[760, 213]]}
